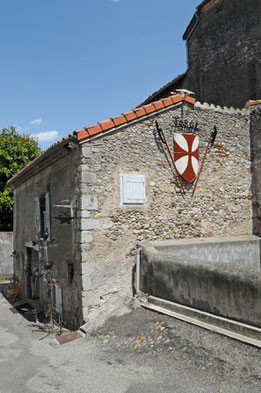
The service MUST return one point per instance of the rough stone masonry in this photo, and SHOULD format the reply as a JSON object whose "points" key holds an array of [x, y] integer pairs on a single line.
{"points": [[221, 205], [88, 254]]}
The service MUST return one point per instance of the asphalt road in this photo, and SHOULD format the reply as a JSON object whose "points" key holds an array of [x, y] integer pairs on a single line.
{"points": [[142, 352]]}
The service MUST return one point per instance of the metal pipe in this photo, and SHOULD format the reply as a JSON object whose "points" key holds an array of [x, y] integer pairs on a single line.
{"points": [[210, 142], [138, 252], [164, 141]]}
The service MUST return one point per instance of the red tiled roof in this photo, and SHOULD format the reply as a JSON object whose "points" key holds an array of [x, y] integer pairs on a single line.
{"points": [[252, 102], [110, 124], [132, 115]]}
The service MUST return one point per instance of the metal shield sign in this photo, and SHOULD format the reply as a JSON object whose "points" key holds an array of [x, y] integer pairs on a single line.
{"points": [[186, 155]]}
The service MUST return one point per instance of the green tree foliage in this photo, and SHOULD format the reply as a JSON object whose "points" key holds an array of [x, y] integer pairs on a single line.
{"points": [[16, 151]]}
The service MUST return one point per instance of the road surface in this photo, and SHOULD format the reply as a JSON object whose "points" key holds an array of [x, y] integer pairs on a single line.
{"points": [[142, 352]]}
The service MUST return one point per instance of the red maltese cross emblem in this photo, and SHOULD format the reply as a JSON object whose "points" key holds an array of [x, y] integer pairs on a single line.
{"points": [[186, 155]]}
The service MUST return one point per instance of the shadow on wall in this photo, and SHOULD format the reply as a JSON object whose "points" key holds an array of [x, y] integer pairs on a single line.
{"points": [[255, 135], [221, 276]]}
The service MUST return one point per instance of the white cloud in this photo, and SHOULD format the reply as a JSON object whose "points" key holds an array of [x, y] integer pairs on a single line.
{"points": [[115, 1], [46, 136], [22, 130], [36, 122]]}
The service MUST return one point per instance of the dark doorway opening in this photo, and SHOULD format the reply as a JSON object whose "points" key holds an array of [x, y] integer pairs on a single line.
{"points": [[32, 274]]}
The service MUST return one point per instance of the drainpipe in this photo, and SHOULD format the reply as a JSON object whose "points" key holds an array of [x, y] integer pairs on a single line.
{"points": [[138, 252]]}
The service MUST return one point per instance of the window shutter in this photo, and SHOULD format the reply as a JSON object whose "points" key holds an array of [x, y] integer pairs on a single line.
{"points": [[132, 189], [47, 223], [37, 216]]}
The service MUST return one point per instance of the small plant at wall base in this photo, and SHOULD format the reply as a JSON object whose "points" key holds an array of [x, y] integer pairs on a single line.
{"points": [[16, 151]]}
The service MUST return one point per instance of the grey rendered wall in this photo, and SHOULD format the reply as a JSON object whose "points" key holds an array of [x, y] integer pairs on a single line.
{"points": [[224, 53], [61, 180], [6, 253], [221, 205], [222, 289]]}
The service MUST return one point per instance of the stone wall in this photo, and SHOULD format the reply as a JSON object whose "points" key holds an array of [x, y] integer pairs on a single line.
{"points": [[61, 179], [6, 254], [224, 53], [221, 205]]}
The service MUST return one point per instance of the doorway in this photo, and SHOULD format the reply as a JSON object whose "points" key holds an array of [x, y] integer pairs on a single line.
{"points": [[32, 274]]}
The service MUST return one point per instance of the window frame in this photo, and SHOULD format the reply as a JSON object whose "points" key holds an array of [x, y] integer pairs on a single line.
{"points": [[125, 200], [42, 215]]}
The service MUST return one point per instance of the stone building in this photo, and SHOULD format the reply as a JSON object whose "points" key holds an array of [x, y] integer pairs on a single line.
{"points": [[81, 207], [223, 54]]}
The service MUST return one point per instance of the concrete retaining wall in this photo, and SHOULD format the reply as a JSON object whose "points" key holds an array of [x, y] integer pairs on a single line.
{"points": [[223, 289], [6, 250], [237, 250]]}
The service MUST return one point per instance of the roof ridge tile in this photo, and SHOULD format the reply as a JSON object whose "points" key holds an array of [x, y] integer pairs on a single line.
{"points": [[218, 108], [116, 121], [132, 115]]}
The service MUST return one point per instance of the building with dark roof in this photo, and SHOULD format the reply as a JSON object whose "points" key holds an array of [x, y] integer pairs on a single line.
{"points": [[223, 53]]}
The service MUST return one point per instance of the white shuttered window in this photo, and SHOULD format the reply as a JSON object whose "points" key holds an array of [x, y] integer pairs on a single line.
{"points": [[42, 215], [132, 189]]}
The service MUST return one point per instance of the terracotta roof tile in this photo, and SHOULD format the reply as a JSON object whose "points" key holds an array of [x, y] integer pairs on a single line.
{"points": [[167, 101], [149, 108], [252, 102], [106, 124], [83, 134], [109, 124], [139, 112], [119, 120], [132, 115], [158, 105], [176, 98], [93, 130], [191, 100]]}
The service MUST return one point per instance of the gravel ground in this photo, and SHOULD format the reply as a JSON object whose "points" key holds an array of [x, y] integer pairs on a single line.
{"points": [[142, 352], [181, 355]]}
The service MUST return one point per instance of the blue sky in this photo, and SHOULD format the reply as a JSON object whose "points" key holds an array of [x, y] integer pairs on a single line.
{"points": [[67, 64]]}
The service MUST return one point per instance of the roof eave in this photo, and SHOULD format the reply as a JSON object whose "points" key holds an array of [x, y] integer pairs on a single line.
{"points": [[163, 88], [190, 27], [137, 114], [16, 179], [194, 20]]}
